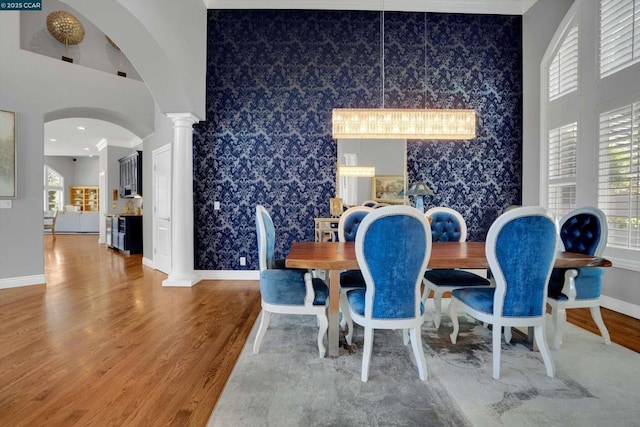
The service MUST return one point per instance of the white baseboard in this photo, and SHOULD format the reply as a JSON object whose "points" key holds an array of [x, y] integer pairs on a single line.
{"points": [[15, 282], [148, 262], [616, 305], [623, 307], [229, 274]]}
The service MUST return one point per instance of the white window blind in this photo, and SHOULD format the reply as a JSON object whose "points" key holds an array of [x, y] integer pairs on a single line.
{"points": [[619, 35], [563, 71], [561, 191], [619, 175]]}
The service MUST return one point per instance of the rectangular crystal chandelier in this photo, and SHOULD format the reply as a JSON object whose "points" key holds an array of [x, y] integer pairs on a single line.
{"points": [[357, 171], [403, 123]]}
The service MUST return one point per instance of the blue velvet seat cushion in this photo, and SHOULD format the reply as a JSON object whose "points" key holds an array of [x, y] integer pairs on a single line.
{"points": [[588, 283], [445, 277], [356, 298], [352, 279], [480, 299], [286, 287]]}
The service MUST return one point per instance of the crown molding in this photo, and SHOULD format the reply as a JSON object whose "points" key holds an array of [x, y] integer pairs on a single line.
{"points": [[497, 7]]}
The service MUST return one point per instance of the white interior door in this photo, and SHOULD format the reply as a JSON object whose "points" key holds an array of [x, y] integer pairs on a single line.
{"points": [[162, 209]]}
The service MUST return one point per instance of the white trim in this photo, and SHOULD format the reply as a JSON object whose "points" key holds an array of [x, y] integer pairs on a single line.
{"points": [[148, 262], [229, 274], [497, 7], [15, 282], [179, 282], [619, 306], [625, 264]]}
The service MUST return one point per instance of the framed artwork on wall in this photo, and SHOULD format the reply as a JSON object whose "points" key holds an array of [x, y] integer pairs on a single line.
{"points": [[8, 173], [388, 189]]}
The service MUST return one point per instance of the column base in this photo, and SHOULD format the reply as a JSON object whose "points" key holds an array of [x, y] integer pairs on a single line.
{"points": [[183, 281]]}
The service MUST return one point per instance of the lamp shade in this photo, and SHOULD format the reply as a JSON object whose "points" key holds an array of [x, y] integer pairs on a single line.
{"points": [[419, 189]]}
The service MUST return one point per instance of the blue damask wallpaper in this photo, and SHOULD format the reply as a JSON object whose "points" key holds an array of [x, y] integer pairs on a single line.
{"points": [[273, 79]]}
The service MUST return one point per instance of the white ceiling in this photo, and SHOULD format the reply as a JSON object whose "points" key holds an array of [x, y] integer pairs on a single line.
{"points": [[71, 141], [499, 7]]}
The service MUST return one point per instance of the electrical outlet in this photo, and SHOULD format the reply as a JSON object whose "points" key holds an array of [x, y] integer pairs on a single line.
{"points": [[216, 205], [243, 261]]}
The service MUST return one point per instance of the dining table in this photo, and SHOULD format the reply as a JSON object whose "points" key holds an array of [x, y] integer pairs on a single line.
{"points": [[335, 257]]}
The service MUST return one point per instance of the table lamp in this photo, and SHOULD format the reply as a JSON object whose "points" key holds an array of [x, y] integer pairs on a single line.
{"points": [[418, 190]]}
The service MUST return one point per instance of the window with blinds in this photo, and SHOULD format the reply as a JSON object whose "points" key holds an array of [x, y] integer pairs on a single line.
{"points": [[563, 71], [53, 189], [561, 178], [619, 35], [619, 175]]}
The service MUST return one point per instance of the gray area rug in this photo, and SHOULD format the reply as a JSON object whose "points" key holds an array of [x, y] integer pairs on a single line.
{"points": [[286, 384]]}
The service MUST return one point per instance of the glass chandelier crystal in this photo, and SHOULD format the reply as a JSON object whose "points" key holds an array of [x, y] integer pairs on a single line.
{"points": [[356, 171], [403, 123]]}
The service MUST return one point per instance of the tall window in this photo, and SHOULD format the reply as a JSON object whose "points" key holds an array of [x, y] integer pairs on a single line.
{"points": [[592, 135], [563, 72], [53, 189], [619, 174], [561, 194], [619, 35]]}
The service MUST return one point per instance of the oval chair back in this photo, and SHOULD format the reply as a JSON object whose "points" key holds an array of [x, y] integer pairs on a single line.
{"points": [[447, 225], [521, 250], [585, 231], [393, 246], [266, 234], [350, 221]]}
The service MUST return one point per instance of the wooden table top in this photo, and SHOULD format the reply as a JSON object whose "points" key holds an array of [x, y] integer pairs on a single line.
{"points": [[471, 255]]}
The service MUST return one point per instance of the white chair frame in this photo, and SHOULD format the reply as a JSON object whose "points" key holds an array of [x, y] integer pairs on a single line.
{"points": [[496, 319], [559, 308], [369, 323], [346, 321], [438, 291], [320, 311]]}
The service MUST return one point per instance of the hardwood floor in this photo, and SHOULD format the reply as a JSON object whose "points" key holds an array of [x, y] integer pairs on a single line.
{"points": [[103, 343]]}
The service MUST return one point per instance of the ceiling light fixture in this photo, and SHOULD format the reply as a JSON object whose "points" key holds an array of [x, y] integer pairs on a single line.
{"points": [[403, 123], [52, 139], [82, 128], [356, 171]]}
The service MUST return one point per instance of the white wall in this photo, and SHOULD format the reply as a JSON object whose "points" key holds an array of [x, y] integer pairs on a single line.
{"points": [[93, 52], [538, 26], [161, 137], [33, 86], [620, 286]]}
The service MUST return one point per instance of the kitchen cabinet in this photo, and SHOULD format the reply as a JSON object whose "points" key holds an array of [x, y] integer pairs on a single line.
{"points": [[131, 175], [78, 222], [125, 233]]}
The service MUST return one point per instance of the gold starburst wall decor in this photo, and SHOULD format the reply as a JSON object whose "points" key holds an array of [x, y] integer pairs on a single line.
{"points": [[65, 28]]}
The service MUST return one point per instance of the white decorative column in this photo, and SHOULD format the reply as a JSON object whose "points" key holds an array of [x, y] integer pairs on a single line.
{"points": [[182, 254]]}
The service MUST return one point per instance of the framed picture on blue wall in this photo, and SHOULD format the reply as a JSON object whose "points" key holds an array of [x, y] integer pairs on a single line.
{"points": [[7, 154], [388, 189]]}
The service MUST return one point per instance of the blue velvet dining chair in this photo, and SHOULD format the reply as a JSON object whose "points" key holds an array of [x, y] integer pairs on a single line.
{"points": [[447, 225], [583, 230], [286, 291], [393, 246], [521, 250], [350, 279]]}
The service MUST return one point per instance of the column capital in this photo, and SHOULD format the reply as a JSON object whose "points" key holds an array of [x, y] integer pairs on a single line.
{"points": [[183, 119]]}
